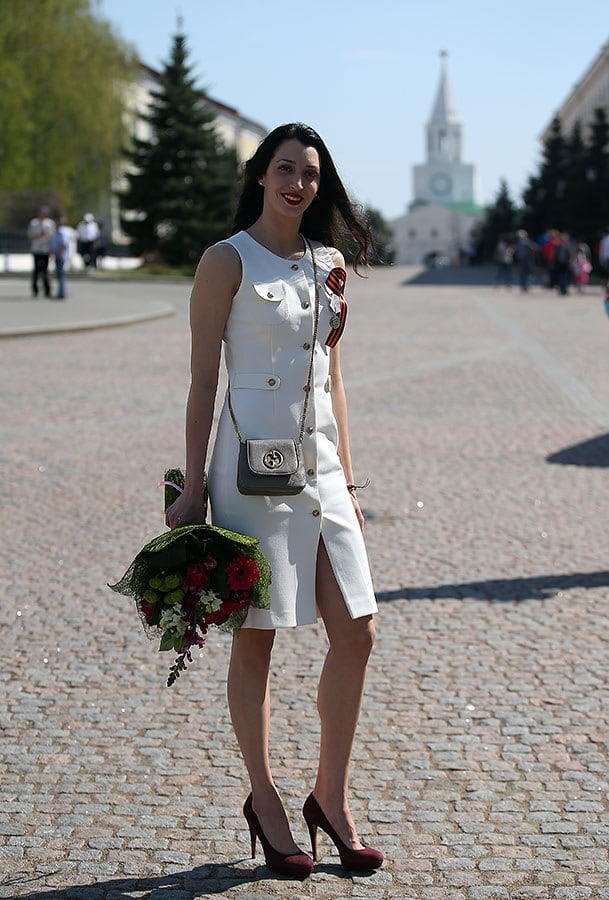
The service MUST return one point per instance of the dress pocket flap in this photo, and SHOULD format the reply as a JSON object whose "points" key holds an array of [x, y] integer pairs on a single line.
{"points": [[270, 290], [261, 381]]}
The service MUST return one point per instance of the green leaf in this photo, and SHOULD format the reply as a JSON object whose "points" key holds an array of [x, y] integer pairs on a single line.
{"points": [[166, 641]]}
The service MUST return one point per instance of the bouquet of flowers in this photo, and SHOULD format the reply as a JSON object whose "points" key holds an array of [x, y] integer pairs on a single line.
{"points": [[195, 576]]}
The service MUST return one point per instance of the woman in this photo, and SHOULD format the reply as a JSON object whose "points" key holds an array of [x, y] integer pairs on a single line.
{"points": [[581, 265], [256, 292]]}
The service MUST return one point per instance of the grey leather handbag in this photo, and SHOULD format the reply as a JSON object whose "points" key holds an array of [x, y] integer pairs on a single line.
{"points": [[270, 468], [274, 467]]}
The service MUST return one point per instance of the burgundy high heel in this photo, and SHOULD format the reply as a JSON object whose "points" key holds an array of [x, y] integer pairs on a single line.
{"points": [[355, 860], [294, 865]]}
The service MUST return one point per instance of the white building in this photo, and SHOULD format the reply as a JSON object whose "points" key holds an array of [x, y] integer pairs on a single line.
{"points": [[589, 93], [444, 208]]}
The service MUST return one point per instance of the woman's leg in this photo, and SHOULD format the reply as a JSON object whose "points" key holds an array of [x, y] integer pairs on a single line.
{"points": [[249, 703], [339, 697]]}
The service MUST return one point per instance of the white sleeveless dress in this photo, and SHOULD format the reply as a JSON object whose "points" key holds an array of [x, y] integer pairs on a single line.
{"points": [[267, 350]]}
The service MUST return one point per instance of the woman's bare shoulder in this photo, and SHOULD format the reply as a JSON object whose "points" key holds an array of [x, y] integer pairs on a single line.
{"points": [[220, 264]]}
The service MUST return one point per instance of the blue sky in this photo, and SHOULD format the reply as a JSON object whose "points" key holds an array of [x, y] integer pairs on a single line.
{"points": [[365, 74]]}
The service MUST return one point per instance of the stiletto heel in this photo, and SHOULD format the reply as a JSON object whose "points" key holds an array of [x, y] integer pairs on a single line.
{"points": [[253, 840], [294, 865], [354, 860], [313, 835]]}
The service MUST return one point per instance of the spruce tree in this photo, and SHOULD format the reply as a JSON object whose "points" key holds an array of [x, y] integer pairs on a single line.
{"points": [[597, 173], [182, 187], [534, 217], [577, 196], [544, 196], [500, 221]]}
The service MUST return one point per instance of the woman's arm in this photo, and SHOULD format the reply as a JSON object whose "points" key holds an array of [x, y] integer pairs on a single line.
{"points": [[339, 408], [215, 284]]}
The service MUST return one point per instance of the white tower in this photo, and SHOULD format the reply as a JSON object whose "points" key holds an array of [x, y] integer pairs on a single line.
{"points": [[444, 179]]}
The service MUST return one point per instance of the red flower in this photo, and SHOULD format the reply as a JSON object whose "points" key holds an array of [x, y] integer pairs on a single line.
{"points": [[216, 617], [197, 577], [242, 573], [243, 598], [148, 610]]}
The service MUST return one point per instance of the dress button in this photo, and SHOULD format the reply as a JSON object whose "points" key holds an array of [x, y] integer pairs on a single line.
{"points": [[306, 346], [305, 304], [294, 267], [310, 471], [315, 512], [310, 429], [272, 381]]}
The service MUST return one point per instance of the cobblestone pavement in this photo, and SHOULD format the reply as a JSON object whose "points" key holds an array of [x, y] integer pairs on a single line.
{"points": [[482, 757]]}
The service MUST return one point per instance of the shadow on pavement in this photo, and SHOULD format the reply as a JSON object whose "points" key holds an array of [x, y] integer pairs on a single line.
{"points": [[203, 881], [501, 590], [454, 275], [592, 453]]}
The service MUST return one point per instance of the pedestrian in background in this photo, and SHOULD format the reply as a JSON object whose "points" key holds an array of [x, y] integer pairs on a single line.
{"points": [[61, 250], [548, 243], [273, 295], [504, 257], [88, 238], [524, 253], [562, 263], [40, 231], [581, 265]]}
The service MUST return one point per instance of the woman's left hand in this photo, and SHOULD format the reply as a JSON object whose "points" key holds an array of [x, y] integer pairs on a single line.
{"points": [[356, 507]]}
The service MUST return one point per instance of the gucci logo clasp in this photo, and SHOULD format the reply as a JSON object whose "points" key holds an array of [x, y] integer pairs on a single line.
{"points": [[272, 459]]}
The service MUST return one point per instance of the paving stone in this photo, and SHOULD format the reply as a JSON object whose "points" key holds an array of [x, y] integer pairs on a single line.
{"points": [[482, 759]]}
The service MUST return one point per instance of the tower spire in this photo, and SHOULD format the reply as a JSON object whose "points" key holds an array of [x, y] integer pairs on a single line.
{"points": [[444, 110]]}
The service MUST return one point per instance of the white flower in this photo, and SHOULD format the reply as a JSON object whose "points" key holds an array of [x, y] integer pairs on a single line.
{"points": [[209, 601], [171, 620]]}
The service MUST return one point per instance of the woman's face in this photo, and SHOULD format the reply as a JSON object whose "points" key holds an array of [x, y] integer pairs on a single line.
{"points": [[291, 180]]}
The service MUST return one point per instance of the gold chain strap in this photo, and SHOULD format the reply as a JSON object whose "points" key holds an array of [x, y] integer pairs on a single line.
{"points": [[307, 387]]}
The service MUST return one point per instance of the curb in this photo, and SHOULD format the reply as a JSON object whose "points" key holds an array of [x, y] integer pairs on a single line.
{"points": [[25, 330]]}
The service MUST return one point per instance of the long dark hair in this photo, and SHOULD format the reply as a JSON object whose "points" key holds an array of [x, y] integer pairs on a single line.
{"points": [[331, 218]]}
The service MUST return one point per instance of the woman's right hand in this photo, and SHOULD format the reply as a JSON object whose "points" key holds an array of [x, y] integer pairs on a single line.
{"points": [[185, 510]]}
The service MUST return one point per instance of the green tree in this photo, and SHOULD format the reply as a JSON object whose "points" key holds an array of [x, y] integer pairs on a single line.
{"points": [[382, 237], [62, 77], [597, 174], [577, 195], [544, 196], [570, 190], [183, 181], [501, 219]]}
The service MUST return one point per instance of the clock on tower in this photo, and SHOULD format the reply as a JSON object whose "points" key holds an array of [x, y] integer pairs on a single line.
{"points": [[440, 184]]}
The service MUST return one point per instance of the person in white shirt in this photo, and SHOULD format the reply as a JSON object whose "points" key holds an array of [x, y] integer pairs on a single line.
{"points": [[88, 239], [40, 231]]}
